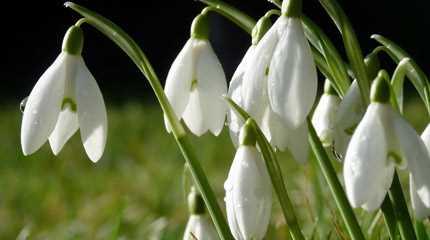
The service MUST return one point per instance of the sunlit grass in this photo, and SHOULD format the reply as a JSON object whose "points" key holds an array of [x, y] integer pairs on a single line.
{"points": [[136, 191]]}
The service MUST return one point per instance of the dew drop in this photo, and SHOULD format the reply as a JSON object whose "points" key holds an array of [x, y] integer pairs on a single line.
{"points": [[22, 104]]}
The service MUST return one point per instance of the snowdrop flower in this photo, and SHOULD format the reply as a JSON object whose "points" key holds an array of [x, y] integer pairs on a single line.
{"points": [[282, 71], [65, 98], [383, 140], [248, 194], [199, 225], [350, 111], [421, 208], [325, 114], [196, 83]]}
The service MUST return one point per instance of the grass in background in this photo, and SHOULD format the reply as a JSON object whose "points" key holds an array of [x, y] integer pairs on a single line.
{"points": [[136, 190]]}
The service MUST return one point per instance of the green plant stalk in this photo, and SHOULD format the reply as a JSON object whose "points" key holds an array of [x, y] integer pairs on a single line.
{"points": [[352, 46], [336, 189], [404, 222], [421, 230], [239, 18], [389, 217], [274, 171], [128, 45]]}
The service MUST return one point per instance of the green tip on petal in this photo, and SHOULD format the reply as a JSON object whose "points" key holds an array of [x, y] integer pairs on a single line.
{"points": [[292, 8], [262, 26], [380, 90], [200, 27], [328, 88], [196, 204], [73, 41], [247, 134]]}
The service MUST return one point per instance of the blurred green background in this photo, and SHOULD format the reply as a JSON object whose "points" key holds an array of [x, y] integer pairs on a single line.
{"points": [[137, 189]]}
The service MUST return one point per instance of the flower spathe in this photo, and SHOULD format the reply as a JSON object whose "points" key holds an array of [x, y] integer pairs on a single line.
{"points": [[195, 85], [248, 194], [65, 98], [383, 140]]}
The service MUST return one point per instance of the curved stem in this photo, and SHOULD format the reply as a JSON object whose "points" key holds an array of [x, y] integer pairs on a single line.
{"points": [[80, 22], [274, 171], [231, 13], [128, 45], [352, 46], [336, 189], [272, 12]]}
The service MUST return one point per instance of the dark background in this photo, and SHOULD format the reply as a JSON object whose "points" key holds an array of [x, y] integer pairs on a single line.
{"points": [[33, 31]]}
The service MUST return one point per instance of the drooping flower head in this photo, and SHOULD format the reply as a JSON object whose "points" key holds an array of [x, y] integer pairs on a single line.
{"points": [[66, 98], [196, 83], [248, 194], [382, 141], [199, 225]]}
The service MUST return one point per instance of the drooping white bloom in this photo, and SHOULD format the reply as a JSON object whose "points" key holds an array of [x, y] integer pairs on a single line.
{"points": [[350, 112], [199, 227], [248, 194], [421, 205], [65, 98], [383, 140], [235, 93], [195, 85], [324, 117]]}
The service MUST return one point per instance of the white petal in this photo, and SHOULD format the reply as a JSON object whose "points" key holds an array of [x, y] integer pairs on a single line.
{"points": [[91, 113], [199, 227], [43, 106], [367, 172], [235, 93], [254, 87], [178, 81], [292, 82], [250, 194], [206, 109], [425, 136], [293, 139], [324, 116], [351, 110], [67, 125], [421, 211]]}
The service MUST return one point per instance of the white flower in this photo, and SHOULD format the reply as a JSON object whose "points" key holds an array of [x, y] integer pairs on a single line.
{"points": [[195, 85], [199, 227], [248, 195], [421, 204], [65, 98], [324, 118], [350, 112], [383, 140], [235, 93]]}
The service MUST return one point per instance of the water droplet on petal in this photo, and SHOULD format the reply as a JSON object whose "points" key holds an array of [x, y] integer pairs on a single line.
{"points": [[22, 104]]}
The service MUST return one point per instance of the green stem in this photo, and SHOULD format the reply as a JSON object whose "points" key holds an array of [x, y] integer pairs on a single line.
{"points": [[389, 217], [275, 173], [336, 189], [231, 13], [128, 45], [404, 222], [421, 230], [352, 46]]}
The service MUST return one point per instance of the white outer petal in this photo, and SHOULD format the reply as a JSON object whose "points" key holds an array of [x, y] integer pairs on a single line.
{"points": [[43, 106], [248, 194], [254, 87], [235, 93], [200, 227], [67, 125], [324, 117], [292, 81], [178, 81], [351, 110], [206, 109], [91, 112], [420, 210], [367, 172]]}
